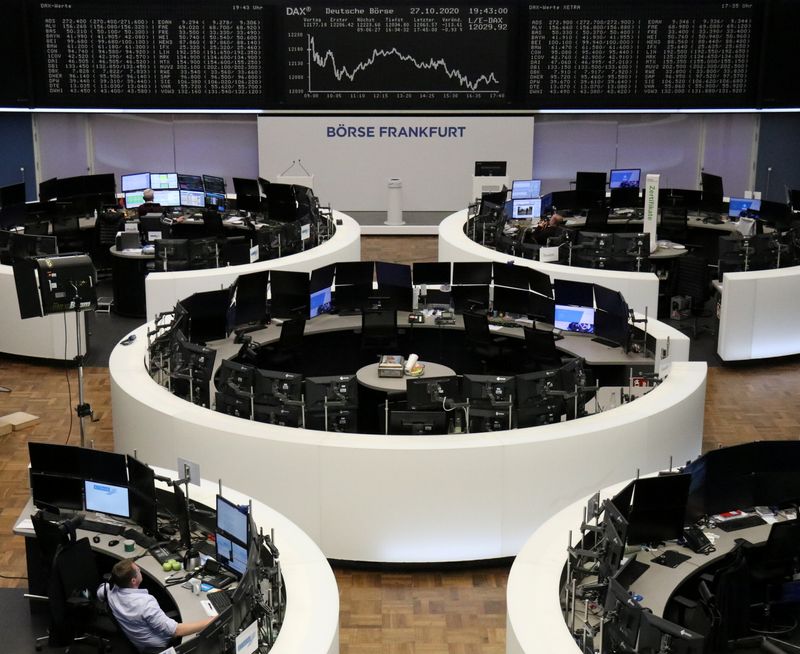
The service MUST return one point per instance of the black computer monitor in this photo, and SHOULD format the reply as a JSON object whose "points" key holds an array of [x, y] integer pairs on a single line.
{"points": [[658, 509], [172, 249], [590, 182], [245, 187], [230, 554], [486, 419], [207, 315], [418, 423], [214, 184], [338, 391], [233, 520], [54, 459], [472, 272], [493, 201], [31, 245], [542, 309], [624, 178], [233, 405], [711, 192], [188, 357], [107, 498], [48, 190], [355, 272], [579, 294], [511, 300], [273, 386], [626, 244], [203, 252], [625, 198], [470, 298], [511, 275], [291, 293], [248, 301], [108, 467], [284, 415], [352, 297], [535, 387], [489, 390], [622, 629], [190, 182], [142, 495], [596, 244], [431, 392], [609, 300], [657, 635], [431, 272], [394, 281], [233, 377], [134, 182], [612, 551], [612, 329], [539, 282], [53, 492]]}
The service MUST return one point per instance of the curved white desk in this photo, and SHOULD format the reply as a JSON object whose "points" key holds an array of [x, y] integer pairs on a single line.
{"points": [[760, 314], [41, 338], [164, 289], [411, 498], [640, 290]]}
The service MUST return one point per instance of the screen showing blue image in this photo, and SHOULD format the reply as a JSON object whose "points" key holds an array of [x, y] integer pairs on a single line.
{"points": [[230, 554], [574, 319], [527, 209], [321, 302], [624, 178], [106, 498], [522, 189], [167, 198], [737, 205]]}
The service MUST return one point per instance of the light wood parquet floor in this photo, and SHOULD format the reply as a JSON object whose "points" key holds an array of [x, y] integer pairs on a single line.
{"points": [[459, 611]]}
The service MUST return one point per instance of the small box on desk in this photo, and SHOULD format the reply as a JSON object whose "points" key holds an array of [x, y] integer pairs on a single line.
{"points": [[391, 365]]}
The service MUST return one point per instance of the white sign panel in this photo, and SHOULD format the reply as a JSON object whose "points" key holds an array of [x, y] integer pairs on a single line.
{"points": [[651, 185], [351, 157]]}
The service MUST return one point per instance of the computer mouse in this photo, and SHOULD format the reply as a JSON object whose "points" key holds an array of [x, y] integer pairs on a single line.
{"points": [[113, 542], [95, 539]]}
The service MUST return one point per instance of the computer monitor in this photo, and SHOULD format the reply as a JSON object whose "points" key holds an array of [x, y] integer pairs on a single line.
{"points": [[613, 550], [658, 509], [394, 281], [627, 244], [522, 189], [511, 300], [167, 198], [107, 498], [206, 314], [163, 181], [320, 285], [625, 198], [487, 419], [579, 294], [472, 272], [612, 329], [625, 613], [431, 272], [274, 387], [609, 300], [534, 387], [511, 275], [431, 392], [48, 190], [142, 495], [190, 183], [712, 192], [290, 294], [579, 320], [283, 415], [338, 391], [470, 298], [232, 520], [214, 184], [355, 272], [57, 492], [418, 423], [526, 209], [657, 635], [31, 245], [749, 206], [248, 300], [133, 199], [233, 405], [624, 178], [539, 282], [230, 554], [590, 182], [352, 297], [542, 309], [233, 378], [493, 201], [489, 390], [108, 467], [191, 357], [215, 202], [192, 198], [54, 459], [134, 182]]}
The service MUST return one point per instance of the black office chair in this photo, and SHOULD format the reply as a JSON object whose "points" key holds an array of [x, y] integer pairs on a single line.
{"points": [[379, 331], [674, 224], [480, 342], [213, 224], [288, 349], [187, 230], [76, 615], [68, 232], [540, 349]]}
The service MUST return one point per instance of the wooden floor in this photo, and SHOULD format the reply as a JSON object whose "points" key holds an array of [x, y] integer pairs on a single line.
{"points": [[382, 612]]}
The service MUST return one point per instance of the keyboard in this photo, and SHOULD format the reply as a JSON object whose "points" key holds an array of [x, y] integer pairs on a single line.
{"points": [[102, 527], [220, 600], [139, 537], [504, 322], [741, 523]]}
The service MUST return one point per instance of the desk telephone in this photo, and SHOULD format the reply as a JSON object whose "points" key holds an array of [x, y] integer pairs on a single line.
{"points": [[697, 541]]}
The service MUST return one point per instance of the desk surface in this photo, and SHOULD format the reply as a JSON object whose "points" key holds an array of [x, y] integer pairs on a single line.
{"points": [[368, 376], [312, 597]]}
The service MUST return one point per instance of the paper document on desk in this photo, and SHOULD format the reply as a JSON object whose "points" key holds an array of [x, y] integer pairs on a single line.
{"points": [[494, 328]]}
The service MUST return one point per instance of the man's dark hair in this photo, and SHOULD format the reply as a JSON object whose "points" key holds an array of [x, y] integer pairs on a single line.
{"points": [[123, 573]]}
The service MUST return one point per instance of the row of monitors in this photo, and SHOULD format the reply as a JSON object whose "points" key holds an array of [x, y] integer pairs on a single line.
{"points": [[172, 181], [177, 198]]}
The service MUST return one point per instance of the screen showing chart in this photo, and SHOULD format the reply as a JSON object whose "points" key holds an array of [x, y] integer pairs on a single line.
{"points": [[399, 54]]}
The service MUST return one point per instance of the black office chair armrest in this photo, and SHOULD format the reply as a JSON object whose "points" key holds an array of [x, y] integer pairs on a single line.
{"points": [[685, 603]]}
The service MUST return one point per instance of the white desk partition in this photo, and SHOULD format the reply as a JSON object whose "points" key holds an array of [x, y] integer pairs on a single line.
{"points": [[164, 289], [640, 290], [760, 314], [50, 337], [411, 498]]}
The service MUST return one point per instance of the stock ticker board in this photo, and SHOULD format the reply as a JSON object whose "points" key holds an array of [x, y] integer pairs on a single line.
{"points": [[204, 54]]}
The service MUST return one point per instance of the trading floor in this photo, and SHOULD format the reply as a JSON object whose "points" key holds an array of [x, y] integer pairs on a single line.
{"points": [[387, 610]]}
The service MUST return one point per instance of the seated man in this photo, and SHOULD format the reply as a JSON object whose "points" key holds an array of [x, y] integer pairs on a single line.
{"points": [[148, 206], [137, 612], [547, 228]]}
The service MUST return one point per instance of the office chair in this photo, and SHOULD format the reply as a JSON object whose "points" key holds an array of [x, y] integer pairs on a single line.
{"points": [[67, 230], [289, 346], [37, 226], [674, 224], [187, 230], [479, 341], [379, 330], [540, 349], [213, 224]]}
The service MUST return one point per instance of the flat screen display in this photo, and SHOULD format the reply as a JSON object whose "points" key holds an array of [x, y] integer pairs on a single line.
{"points": [[190, 183], [167, 198], [214, 184], [526, 209], [522, 189], [231, 520], [135, 182], [106, 498], [738, 205], [574, 319], [133, 199], [230, 554], [163, 181], [321, 302], [192, 198], [624, 178]]}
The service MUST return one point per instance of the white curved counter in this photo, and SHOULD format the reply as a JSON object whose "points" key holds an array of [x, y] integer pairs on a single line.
{"points": [[50, 337], [411, 498], [760, 314], [640, 290], [164, 289]]}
